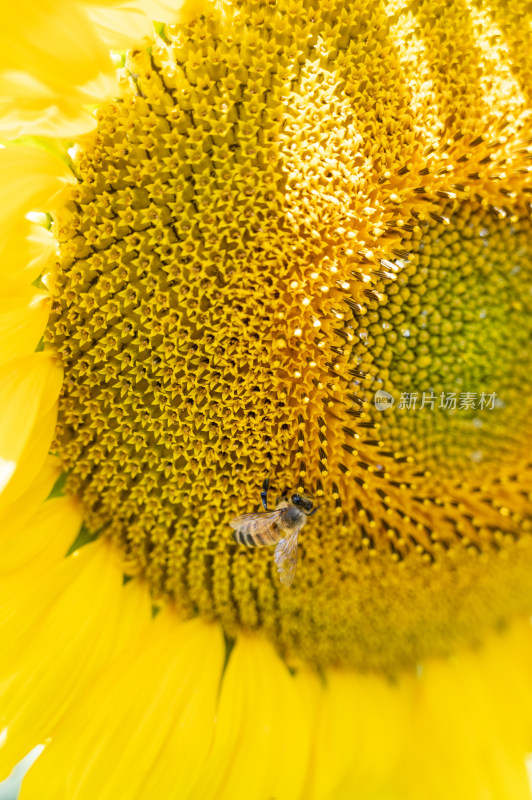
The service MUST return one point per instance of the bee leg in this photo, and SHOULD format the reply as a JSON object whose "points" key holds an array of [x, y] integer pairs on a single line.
{"points": [[264, 493], [313, 511]]}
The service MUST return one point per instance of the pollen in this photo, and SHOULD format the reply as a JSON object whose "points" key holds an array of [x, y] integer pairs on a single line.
{"points": [[288, 210]]}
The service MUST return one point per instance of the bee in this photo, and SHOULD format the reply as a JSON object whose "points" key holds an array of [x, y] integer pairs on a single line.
{"points": [[280, 527]]}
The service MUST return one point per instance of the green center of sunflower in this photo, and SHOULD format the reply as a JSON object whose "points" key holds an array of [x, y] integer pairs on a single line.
{"points": [[446, 345], [243, 264]]}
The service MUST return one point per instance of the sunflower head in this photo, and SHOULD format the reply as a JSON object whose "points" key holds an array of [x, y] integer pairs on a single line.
{"points": [[259, 243], [286, 383]]}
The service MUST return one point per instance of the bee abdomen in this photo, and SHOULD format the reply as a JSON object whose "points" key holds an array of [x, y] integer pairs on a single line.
{"points": [[256, 539], [244, 538]]}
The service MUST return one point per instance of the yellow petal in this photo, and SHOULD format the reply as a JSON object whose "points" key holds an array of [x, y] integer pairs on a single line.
{"points": [[26, 539], [30, 177], [358, 736], [23, 316], [462, 749], [29, 503], [165, 11], [29, 387], [124, 24], [29, 550], [39, 543], [25, 250], [53, 62], [505, 664], [262, 737], [54, 43], [121, 27], [136, 618], [145, 728], [31, 461], [63, 634], [53, 117]]}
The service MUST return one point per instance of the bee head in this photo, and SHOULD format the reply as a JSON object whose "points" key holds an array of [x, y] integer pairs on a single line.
{"points": [[302, 502]]}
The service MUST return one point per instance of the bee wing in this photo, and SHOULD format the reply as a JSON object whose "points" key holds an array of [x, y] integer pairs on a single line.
{"points": [[261, 524], [286, 558]]}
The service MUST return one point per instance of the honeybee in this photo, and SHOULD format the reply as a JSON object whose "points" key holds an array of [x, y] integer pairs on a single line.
{"points": [[280, 527]]}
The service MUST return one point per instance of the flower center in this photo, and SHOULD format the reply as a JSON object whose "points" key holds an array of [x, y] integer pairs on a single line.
{"points": [[447, 344], [221, 301]]}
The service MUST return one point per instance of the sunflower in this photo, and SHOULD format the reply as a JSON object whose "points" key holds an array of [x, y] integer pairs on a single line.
{"points": [[286, 240]]}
